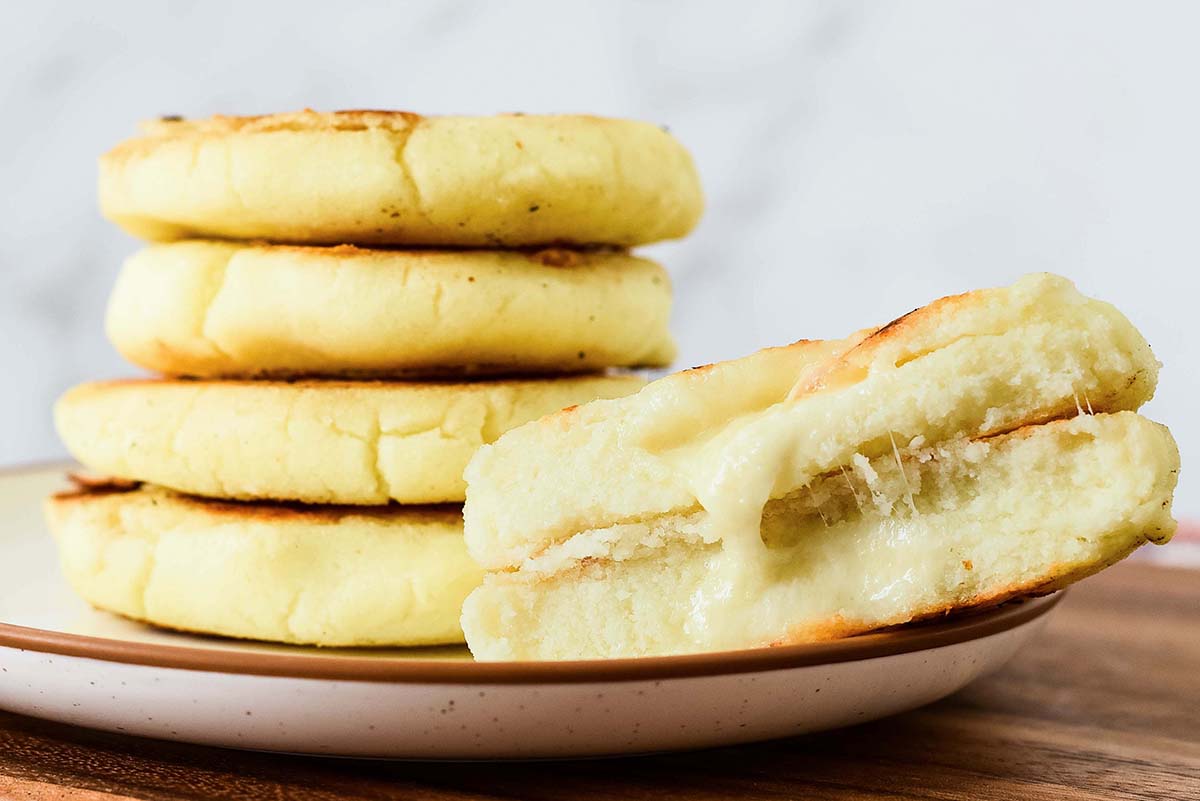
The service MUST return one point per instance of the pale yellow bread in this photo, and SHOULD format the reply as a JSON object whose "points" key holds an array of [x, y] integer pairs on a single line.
{"points": [[209, 308], [966, 366], [389, 177], [309, 441], [312, 575], [967, 524]]}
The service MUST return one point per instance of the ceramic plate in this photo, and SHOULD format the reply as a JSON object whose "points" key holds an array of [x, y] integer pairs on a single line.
{"points": [[67, 662]]}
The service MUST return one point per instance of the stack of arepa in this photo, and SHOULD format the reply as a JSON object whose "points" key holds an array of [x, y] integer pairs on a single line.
{"points": [[344, 307]]}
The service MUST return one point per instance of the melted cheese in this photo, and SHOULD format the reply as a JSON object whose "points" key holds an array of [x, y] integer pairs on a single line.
{"points": [[736, 471]]}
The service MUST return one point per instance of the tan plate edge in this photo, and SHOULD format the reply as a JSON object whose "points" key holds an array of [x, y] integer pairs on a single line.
{"points": [[867, 646]]}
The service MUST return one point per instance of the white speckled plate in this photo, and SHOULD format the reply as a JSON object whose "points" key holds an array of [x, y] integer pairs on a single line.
{"points": [[64, 661]]}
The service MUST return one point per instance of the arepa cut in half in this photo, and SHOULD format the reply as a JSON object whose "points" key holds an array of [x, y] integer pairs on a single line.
{"points": [[977, 449]]}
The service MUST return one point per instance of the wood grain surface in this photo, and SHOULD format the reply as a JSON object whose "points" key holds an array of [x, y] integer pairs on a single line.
{"points": [[1105, 704]]}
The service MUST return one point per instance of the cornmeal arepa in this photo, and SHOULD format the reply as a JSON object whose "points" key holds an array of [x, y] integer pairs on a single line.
{"points": [[705, 473], [320, 442], [333, 576], [397, 178], [209, 308], [971, 523]]}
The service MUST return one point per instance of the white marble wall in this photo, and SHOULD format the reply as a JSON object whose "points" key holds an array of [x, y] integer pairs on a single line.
{"points": [[859, 158]]}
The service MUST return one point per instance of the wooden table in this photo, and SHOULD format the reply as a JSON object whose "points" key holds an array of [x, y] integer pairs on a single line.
{"points": [[1106, 704]]}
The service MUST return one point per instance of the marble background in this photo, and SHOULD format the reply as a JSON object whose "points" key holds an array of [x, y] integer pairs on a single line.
{"points": [[859, 158]]}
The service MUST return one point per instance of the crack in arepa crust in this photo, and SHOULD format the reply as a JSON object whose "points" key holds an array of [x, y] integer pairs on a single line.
{"points": [[310, 441], [398, 178]]}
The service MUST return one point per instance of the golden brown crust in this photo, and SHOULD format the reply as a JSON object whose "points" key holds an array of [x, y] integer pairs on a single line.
{"points": [[88, 489], [940, 324], [851, 365], [837, 628], [902, 325], [87, 484], [555, 256], [450, 382], [305, 120]]}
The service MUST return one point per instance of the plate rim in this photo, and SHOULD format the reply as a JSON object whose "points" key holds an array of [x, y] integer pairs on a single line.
{"points": [[301, 665], [921, 636]]}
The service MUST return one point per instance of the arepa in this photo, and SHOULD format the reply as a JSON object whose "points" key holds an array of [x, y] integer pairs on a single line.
{"points": [[312, 575], [323, 442], [209, 309], [396, 178]]}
